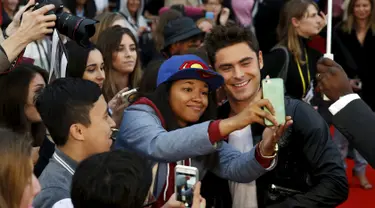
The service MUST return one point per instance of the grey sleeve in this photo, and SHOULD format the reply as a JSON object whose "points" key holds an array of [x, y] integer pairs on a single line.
{"points": [[49, 196]]}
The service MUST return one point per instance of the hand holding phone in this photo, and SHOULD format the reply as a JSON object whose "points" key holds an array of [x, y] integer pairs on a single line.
{"points": [[185, 179]]}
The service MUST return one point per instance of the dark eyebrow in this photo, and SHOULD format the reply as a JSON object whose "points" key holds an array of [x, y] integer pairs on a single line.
{"points": [[39, 86], [190, 82], [246, 59], [91, 65], [225, 65]]}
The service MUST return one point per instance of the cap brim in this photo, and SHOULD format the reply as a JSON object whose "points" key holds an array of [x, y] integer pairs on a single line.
{"points": [[212, 78], [183, 36]]}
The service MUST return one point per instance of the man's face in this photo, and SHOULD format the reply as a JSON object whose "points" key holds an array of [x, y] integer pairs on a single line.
{"points": [[240, 67], [97, 136]]}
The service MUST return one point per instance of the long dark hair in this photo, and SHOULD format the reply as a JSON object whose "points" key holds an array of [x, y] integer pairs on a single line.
{"points": [[77, 59], [108, 43], [14, 90]]}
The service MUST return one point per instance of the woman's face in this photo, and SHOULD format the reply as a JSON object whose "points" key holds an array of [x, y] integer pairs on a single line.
{"points": [[11, 4], [120, 22], [133, 5], [30, 191], [94, 70], [36, 85], [213, 6], [310, 24], [125, 57], [362, 9], [188, 99]]}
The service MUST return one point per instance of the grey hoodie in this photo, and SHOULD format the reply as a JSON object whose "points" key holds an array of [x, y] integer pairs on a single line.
{"points": [[140, 20]]}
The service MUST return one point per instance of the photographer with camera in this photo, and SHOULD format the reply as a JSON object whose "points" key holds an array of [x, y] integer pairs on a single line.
{"points": [[33, 26]]}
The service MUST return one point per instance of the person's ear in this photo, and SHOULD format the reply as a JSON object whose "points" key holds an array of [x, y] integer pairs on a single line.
{"points": [[295, 22], [260, 60], [76, 131]]}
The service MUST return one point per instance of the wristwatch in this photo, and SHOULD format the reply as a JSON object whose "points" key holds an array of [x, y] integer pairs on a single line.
{"points": [[276, 149]]}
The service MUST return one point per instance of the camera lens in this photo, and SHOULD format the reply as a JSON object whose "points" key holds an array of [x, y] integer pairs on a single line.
{"points": [[76, 28]]}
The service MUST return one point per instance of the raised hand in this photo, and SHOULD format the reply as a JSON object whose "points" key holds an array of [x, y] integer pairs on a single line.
{"points": [[271, 136]]}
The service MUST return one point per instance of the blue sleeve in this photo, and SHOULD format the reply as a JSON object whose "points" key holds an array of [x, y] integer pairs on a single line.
{"points": [[141, 131], [239, 167]]}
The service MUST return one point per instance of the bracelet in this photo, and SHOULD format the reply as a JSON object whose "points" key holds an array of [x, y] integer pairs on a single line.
{"points": [[276, 149]]}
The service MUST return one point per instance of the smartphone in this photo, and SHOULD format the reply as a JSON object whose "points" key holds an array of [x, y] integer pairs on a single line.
{"points": [[185, 179], [210, 15], [128, 96], [273, 90]]}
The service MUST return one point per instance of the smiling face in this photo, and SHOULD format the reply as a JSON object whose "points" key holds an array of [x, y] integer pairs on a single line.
{"points": [[362, 9], [97, 136], [188, 99], [124, 58], [240, 67], [94, 70]]}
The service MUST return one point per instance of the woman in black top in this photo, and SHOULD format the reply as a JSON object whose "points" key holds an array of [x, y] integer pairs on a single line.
{"points": [[299, 20], [354, 44]]}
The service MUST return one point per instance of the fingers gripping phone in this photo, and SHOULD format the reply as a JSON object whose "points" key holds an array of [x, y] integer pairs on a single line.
{"points": [[128, 96], [273, 90], [185, 179]]}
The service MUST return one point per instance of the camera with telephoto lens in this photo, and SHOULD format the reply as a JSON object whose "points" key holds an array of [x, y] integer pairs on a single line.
{"points": [[76, 28]]}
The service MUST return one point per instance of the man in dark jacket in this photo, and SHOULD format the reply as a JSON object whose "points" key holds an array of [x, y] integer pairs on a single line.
{"points": [[347, 107], [310, 171]]}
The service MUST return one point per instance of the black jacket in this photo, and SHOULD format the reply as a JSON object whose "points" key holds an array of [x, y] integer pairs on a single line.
{"points": [[308, 161], [356, 121]]}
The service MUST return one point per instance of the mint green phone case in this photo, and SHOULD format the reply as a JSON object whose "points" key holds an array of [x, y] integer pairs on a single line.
{"points": [[273, 90]]}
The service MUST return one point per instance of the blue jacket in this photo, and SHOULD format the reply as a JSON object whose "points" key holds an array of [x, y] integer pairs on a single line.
{"points": [[141, 130]]}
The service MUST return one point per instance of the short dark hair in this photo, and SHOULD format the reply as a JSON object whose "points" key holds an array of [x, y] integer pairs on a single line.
{"points": [[117, 179], [224, 36], [65, 102]]}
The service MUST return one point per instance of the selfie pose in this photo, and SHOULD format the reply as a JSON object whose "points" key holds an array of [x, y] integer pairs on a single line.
{"points": [[175, 125], [309, 171]]}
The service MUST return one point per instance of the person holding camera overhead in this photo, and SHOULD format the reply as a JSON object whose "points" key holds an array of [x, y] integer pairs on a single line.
{"points": [[33, 26]]}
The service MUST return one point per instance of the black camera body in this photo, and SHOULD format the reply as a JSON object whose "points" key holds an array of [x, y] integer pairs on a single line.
{"points": [[76, 28]]}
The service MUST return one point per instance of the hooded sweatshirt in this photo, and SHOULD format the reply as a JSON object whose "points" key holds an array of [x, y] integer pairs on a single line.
{"points": [[142, 131], [140, 21]]}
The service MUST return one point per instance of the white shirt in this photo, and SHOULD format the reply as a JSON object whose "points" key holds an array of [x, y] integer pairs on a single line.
{"points": [[244, 195], [342, 102], [65, 203], [101, 4]]}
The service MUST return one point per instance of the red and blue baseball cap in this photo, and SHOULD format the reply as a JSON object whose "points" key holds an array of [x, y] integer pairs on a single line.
{"points": [[188, 67]]}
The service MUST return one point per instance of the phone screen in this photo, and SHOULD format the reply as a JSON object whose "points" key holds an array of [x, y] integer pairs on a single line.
{"points": [[184, 187]]}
